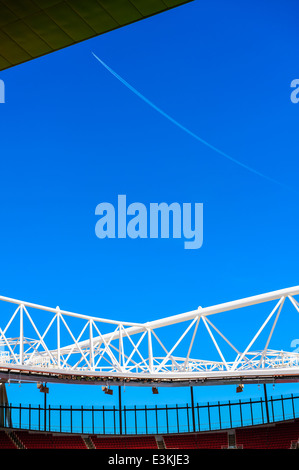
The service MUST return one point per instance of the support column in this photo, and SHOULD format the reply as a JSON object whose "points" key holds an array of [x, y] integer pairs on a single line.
{"points": [[120, 411], [44, 389], [5, 416], [192, 406], [266, 403], [45, 410]]}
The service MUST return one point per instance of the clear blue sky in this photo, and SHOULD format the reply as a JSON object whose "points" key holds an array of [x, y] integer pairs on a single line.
{"points": [[72, 136]]}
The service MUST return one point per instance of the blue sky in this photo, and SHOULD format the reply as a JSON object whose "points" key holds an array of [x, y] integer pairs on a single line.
{"points": [[73, 136]]}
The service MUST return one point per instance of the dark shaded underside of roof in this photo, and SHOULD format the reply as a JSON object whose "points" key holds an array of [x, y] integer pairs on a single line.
{"points": [[33, 28]]}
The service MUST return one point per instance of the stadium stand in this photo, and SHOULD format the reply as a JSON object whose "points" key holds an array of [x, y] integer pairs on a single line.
{"points": [[212, 440], [136, 442], [49, 441], [283, 435], [278, 436], [6, 442]]}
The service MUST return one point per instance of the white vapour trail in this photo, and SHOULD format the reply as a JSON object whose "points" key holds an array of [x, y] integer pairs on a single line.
{"points": [[130, 87]]}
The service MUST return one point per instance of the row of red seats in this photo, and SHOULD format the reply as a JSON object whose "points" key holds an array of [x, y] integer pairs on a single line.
{"points": [[136, 442], [213, 440], [49, 441], [6, 442], [278, 436]]}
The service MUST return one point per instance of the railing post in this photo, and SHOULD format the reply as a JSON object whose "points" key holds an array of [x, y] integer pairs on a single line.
{"points": [[145, 411], [71, 410], [104, 430], [135, 414], [266, 403], [167, 426], [125, 418], [209, 416], [272, 405], [241, 412], [60, 417], [45, 411], [120, 411], [262, 410], [82, 426], [114, 419], [293, 406], [92, 417], [192, 404], [39, 417], [219, 414], [282, 406], [2, 417]]}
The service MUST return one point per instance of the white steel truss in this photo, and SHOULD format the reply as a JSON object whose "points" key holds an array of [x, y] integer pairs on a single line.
{"points": [[73, 347]]}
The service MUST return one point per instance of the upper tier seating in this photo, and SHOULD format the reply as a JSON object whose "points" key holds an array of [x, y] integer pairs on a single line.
{"points": [[278, 436], [283, 435], [6, 442], [134, 442], [214, 440], [49, 441]]}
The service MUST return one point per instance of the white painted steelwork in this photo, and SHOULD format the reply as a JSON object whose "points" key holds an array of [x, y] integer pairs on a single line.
{"points": [[88, 349]]}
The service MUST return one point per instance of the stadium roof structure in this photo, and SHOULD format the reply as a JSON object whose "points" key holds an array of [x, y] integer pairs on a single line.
{"points": [[32, 28], [40, 343]]}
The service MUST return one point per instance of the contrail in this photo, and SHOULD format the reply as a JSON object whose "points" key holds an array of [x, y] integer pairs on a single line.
{"points": [[185, 129]]}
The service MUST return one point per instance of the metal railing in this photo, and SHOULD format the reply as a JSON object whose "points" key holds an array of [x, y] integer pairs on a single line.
{"points": [[150, 419]]}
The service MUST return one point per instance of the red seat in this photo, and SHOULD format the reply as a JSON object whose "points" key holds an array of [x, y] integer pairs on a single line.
{"points": [[134, 442], [50, 441], [6, 442], [276, 436]]}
